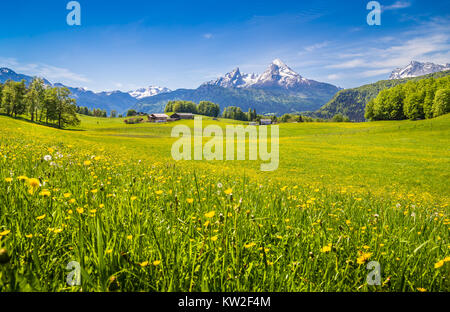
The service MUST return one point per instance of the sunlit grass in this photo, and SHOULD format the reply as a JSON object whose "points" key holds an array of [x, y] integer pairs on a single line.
{"points": [[112, 199]]}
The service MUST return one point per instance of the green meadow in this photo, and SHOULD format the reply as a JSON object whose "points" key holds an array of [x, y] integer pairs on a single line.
{"points": [[110, 197]]}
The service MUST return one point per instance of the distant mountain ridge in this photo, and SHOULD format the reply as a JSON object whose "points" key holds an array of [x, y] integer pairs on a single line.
{"points": [[277, 75], [416, 69], [149, 91], [8, 74], [107, 100], [277, 90], [233, 79]]}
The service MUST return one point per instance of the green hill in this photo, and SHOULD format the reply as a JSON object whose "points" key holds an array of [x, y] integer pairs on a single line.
{"points": [[352, 102]]}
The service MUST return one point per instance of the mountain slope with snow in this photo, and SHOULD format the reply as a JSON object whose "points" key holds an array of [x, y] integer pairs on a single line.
{"points": [[8, 74], [416, 69], [277, 90], [277, 74], [149, 91]]}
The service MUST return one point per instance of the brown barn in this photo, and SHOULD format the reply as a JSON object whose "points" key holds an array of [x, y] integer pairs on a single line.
{"points": [[158, 118]]}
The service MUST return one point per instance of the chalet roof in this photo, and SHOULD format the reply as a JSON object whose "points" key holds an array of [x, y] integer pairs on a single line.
{"points": [[183, 114], [159, 115]]}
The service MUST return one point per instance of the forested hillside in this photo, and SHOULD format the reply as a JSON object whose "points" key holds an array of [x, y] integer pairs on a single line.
{"points": [[352, 102], [426, 98]]}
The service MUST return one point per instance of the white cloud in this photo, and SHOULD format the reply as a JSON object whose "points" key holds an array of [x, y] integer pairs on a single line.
{"points": [[349, 64], [317, 46], [396, 6], [334, 76], [375, 72], [208, 36], [429, 42], [52, 73]]}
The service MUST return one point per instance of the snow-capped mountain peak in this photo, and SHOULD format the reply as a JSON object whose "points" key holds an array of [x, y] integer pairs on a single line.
{"points": [[234, 79], [415, 69], [279, 62], [278, 74], [149, 91]]}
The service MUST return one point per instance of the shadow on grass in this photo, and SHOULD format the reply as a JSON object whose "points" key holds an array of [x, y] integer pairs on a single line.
{"points": [[40, 123]]}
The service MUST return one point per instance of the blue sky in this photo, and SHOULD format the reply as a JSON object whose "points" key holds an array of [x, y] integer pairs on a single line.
{"points": [[180, 44]]}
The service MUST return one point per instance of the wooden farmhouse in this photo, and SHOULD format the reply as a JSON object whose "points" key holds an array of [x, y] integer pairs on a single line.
{"points": [[178, 116], [158, 118]]}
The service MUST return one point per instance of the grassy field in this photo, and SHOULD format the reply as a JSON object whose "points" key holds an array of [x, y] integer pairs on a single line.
{"points": [[112, 199]]}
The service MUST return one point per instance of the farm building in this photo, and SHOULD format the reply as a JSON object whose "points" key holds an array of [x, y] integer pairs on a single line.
{"points": [[265, 122], [158, 118], [182, 116]]}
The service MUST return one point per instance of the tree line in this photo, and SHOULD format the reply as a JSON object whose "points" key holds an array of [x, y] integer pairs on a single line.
{"points": [[205, 108], [96, 112], [41, 102], [426, 98]]}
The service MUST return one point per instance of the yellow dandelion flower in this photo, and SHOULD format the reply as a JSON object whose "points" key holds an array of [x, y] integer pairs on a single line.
{"points": [[228, 191], [45, 193], [143, 264], [29, 236], [439, 264], [364, 256], [22, 178], [214, 238], [421, 289], [133, 198], [326, 248], [108, 251], [5, 232], [87, 163], [210, 214], [72, 201], [80, 210], [41, 217], [159, 192], [67, 195], [130, 237], [190, 200], [250, 245], [156, 262], [9, 180]]}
